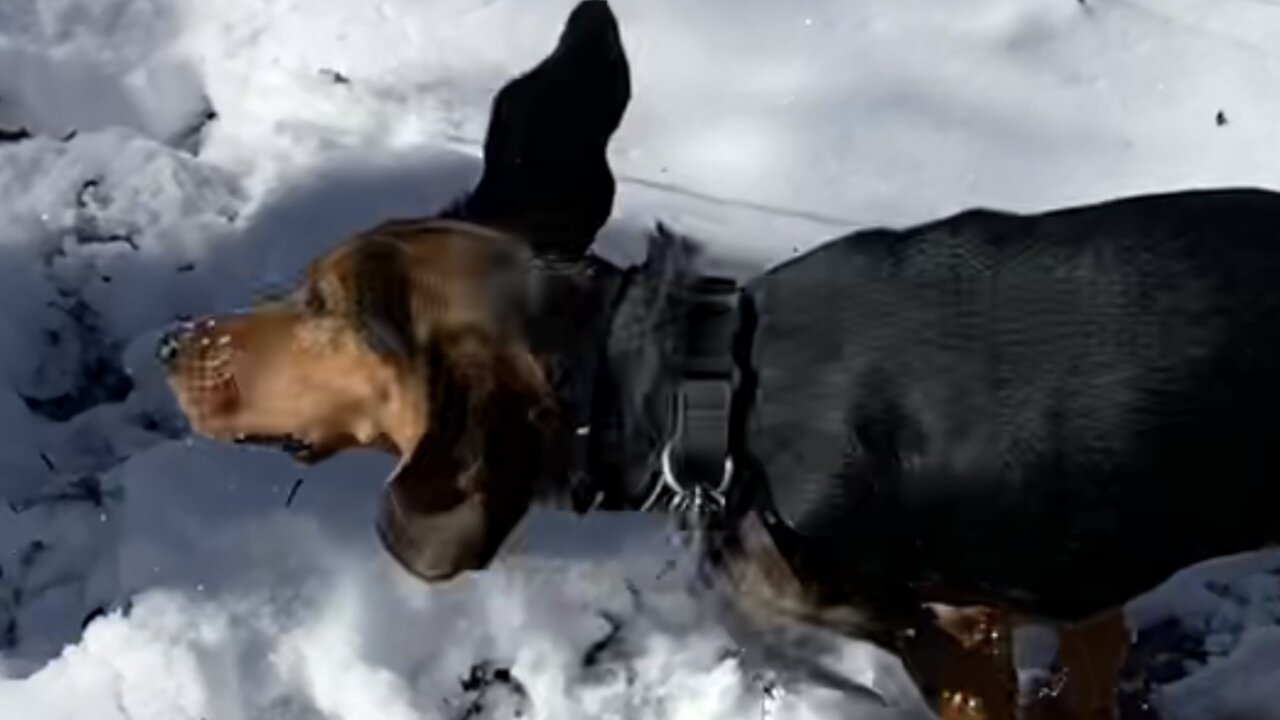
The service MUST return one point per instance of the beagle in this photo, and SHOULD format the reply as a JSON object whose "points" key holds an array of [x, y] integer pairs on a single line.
{"points": [[928, 432]]}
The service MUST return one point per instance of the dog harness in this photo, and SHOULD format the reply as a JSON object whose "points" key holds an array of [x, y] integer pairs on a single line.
{"points": [[696, 465], [684, 343], [635, 352]]}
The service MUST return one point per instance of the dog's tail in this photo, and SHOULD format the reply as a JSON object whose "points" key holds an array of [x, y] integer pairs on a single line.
{"points": [[546, 174]]}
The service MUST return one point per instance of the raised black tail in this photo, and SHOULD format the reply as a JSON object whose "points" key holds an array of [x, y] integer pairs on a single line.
{"points": [[546, 174]]}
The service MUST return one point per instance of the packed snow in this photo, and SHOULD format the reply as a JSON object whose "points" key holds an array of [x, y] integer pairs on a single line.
{"points": [[191, 156]]}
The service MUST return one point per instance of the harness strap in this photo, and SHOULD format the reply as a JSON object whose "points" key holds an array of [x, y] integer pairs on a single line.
{"points": [[574, 303], [696, 466]]}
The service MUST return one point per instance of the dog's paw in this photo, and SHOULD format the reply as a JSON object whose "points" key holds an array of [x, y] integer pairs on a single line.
{"points": [[960, 705], [975, 627]]}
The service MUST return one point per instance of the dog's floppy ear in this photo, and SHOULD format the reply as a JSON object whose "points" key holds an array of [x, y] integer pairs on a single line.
{"points": [[546, 174], [383, 298], [456, 496]]}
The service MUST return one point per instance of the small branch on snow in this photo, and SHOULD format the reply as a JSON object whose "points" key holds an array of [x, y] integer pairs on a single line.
{"points": [[87, 188], [297, 484], [595, 651], [97, 612], [667, 568], [335, 77], [16, 135], [91, 238], [190, 139], [87, 488]]}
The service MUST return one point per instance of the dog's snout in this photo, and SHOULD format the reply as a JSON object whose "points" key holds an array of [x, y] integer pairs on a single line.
{"points": [[172, 341], [169, 345]]}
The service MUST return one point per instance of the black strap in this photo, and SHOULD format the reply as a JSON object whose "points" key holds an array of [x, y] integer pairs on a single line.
{"points": [[574, 303], [696, 464]]}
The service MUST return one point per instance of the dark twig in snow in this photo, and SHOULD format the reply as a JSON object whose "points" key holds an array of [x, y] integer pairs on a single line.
{"points": [[297, 484], [87, 488], [97, 612], [335, 77], [85, 194], [596, 650], [190, 139], [91, 238], [15, 135]]}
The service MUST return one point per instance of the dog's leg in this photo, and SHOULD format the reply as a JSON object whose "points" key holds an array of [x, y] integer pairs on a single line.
{"points": [[1090, 656], [964, 664]]}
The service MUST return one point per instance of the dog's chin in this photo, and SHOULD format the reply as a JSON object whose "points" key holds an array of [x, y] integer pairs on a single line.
{"points": [[302, 451]]}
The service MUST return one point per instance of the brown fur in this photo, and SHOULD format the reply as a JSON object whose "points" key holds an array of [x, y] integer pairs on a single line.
{"points": [[403, 340]]}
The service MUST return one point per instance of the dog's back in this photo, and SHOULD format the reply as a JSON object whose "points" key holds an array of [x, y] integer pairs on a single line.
{"points": [[1050, 412]]}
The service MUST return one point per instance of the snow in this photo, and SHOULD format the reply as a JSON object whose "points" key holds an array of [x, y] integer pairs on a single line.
{"points": [[762, 128]]}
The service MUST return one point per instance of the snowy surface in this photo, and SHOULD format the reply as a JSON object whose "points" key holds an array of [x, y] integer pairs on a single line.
{"points": [[761, 127]]}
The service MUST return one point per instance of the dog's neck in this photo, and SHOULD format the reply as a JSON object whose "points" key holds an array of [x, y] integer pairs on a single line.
{"points": [[611, 339]]}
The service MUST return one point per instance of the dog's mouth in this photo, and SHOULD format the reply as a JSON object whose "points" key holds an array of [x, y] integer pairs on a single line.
{"points": [[299, 449]]}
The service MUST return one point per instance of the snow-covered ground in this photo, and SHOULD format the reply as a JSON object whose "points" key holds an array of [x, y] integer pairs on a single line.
{"points": [[219, 146]]}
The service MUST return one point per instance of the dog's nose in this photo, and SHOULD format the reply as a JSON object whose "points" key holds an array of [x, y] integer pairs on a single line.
{"points": [[169, 345]]}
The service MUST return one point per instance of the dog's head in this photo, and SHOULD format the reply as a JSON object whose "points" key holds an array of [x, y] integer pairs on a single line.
{"points": [[409, 337]]}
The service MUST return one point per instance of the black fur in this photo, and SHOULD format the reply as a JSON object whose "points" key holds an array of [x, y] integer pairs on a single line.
{"points": [[1047, 412], [546, 173]]}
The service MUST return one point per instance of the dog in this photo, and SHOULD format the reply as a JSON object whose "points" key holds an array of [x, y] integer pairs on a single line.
{"points": [[930, 434]]}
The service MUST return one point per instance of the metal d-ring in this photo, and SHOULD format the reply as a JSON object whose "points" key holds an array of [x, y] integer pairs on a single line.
{"points": [[698, 499]]}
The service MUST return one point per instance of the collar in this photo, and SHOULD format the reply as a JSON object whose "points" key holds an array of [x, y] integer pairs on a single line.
{"points": [[696, 465], [642, 362]]}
